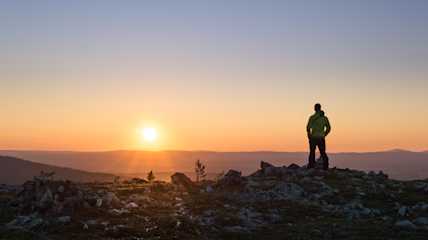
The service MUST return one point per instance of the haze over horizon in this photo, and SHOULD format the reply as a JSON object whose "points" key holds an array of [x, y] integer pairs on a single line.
{"points": [[198, 150], [220, 76]]}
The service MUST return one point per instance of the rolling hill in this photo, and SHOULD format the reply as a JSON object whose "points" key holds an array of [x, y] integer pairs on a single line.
{"points": [[399, 164], [16, 171]]}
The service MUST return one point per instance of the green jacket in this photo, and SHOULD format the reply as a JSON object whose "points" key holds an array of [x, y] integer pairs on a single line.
{"points": [[318, 126]]}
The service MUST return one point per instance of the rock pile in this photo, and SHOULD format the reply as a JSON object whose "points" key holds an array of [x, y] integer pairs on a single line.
{"points": [[45, 197], [48, 197], [287, 200]]}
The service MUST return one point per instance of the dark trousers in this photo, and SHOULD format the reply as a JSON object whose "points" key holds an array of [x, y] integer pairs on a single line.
{"points": [[313, 144]]}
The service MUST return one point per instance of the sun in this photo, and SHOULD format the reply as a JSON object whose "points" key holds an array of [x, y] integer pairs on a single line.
{"points": [[149, 134]]}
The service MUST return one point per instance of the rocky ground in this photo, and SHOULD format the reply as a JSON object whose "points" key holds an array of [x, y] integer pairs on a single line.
{"points": [[289, 202]]}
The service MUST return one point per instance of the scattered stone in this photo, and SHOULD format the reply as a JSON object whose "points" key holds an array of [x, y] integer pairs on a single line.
{"points": [[85, 226], [289, 191], [402, 211], [91, 222], [421, 221], [209, 189], [405, 224], [231, 178], [27, 222], [137, 181], [273, 196], [264, 165], [293, 166], [110, 199], [119, 211], [99, 202], [64, 219], [131, 205]]}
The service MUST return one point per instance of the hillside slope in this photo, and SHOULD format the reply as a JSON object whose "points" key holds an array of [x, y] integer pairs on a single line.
{"points": [[402, 165], [17, 171]]}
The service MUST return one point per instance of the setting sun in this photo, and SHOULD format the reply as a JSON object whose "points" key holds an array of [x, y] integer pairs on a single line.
{"points": [[149, 134]]}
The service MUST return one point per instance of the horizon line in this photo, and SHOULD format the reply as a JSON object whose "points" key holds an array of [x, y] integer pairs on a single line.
{"points": [[211, 151]]}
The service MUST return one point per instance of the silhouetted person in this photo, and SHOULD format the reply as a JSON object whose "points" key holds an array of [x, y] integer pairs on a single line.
{"points": [[318, 128]]}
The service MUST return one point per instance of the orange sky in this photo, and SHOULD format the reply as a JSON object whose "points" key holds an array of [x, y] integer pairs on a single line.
{"points": [[213, 76]]}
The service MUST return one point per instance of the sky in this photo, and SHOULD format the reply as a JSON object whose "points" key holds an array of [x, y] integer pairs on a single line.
{"points": [[212, 75]]}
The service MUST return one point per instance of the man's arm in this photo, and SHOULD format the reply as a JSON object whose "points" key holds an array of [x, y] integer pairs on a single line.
{"points": [[327, 126], [308, 127]]}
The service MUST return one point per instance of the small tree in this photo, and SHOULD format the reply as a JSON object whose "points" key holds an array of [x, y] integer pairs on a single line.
{"points": [[200, 170], [151, 176]]}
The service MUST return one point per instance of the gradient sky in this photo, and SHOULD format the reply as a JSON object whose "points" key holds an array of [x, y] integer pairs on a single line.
{"points": [[213, 75]]}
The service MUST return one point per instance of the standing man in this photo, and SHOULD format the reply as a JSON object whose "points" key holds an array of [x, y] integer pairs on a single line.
{"points": [[318, 128]]}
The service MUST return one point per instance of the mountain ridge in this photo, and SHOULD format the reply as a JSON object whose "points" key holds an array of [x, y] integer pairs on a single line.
{"points": [[16, 171], [401, 164]]}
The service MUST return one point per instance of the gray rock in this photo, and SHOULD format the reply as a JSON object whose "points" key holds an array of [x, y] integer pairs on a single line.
{"points": [[421, 221], [110, 199], [64, 219], [36, 222], [420, 186], [268, 169], [47, 199], [250, 218], [293, 166], [209, 189], [421, 206], [289, 191], [382, 175], [405, 224], [402, 211], [61, 189], [231, 178], [27, 222], [19, 221], [180, 179], [264, 165], [131, 205], [91, 222]]}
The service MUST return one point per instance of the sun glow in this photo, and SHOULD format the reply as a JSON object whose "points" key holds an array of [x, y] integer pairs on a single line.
{"points": [[149, 134]]}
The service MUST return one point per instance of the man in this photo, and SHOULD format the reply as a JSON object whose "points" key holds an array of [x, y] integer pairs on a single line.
{"points": [[318, 128]]}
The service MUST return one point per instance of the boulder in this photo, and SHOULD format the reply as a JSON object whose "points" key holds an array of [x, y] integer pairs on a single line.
{"points": [[381, 175], [47, 199], [64, 219], [264, 165], [318, 164], [180, 179], [269, 170], [27, 222], [209, 189], [293, 166], [288, 191], [131, 205], [402, 211], [405, 224], [136, 181], [421, 221], [111, 200], [232, 177]]}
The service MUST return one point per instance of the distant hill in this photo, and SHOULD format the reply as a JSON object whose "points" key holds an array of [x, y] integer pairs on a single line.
{"points": [[399, 164], [16, 171]]}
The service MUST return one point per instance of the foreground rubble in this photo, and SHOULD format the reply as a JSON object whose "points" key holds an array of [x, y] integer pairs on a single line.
{"points": [[289, 202]]}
